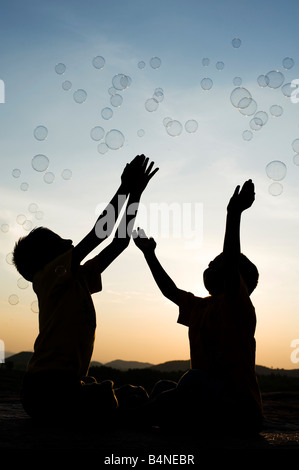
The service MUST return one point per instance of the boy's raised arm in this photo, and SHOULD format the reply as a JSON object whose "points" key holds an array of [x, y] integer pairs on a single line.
{"points": [[240, 201], [106, 221], [164, 282]]}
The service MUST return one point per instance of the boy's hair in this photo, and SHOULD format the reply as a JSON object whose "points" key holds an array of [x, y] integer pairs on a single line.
{"points": [[29, 254], [249, 273]]}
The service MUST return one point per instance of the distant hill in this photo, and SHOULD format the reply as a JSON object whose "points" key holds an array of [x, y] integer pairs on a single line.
{"points": [[126, 365], [172, 366], [19, 361]]}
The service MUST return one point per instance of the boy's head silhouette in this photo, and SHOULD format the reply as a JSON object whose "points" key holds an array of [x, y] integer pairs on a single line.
{"points": [[32, 252], [214, 279]]}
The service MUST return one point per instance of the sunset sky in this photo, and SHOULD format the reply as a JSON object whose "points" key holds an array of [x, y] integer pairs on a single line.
{"points": [[184, 206]]}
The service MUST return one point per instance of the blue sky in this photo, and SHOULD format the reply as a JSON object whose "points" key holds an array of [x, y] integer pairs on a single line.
{"points": [[201, 168]]}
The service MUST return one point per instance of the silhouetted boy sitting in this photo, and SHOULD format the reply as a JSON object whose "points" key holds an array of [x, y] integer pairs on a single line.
{"points": [[221, 388], [55, 385]]}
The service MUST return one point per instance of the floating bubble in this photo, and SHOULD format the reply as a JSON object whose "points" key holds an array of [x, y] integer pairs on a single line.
{"points": [[295, 145], [66, 174], [296, 159], [22, 283], [24, 186], [239, 94], [98, 62], [13, 299], [103, 148], [275, 189], [16, 173], [9, 258], [116, 100], [21, 218], [49, 177], [4, 228], [27, 225], [219, 65], [97, 133], [106, 113], [140, 132], [167, 120], [40, 133], [39, 215], [263, 80], [141, 64], [174, 128], [276, 79], [205, 61], [249, 109], [191, 126], [34, 306], [158, 95], [288, 63], [276, 110], [151, 105], [60, 68], [236, 43], [60, 270], [206, 83], [256, 124], [263, 116], [66, 85], [121, 81], [237, 81], [287, 89], [33, 207], [40, 162], [114, 139], [276, 170], [155, 62], [80, 96], [247, 135]]}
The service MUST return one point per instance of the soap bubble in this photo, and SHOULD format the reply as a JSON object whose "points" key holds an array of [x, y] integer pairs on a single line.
{"points": [[66, 85], [107, 113], [112, 91], [236, 43], [237, 81], [247, 106], [206, 83], [60, 68], [40, 133], [39, 215], [4, 228], [263, 116], [13, 299], [158, 95], [295, 145], [288, 63], [60, 270], [114, 139], [151, 105], [296, 159], [33, 207], [287, 89], [155, 62], [247, 135], [275, 189], [116, 100], [256, 124], [276, 110], [49, 177], [66, 174], [40, 162], [16, 173], [22, 283], [276, 170], [9, 258], [141, 64], [219, 65], [140, 132], [167, 120], [21, 218], [191, 126], [27, 225], [174, 128], [263, 80], [97, 133], [80, 96], [34, 306], [103, 148], [24, 186], [205, 61], [98, 62], [276, 79], [121, 81], [238, 95]]}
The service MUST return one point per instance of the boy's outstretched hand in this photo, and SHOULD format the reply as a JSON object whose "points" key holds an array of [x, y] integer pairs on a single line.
{"points": [[145, 244], [242, 200], [137, 174]]}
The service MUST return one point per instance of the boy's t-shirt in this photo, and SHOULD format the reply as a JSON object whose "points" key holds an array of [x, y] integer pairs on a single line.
{"points": [[67, 319], [222, 343]]}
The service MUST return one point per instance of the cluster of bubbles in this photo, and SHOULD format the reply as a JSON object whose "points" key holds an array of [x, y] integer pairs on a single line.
{"points": [[155, 63], [152, 103], [113, 139], [174, 127]]}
